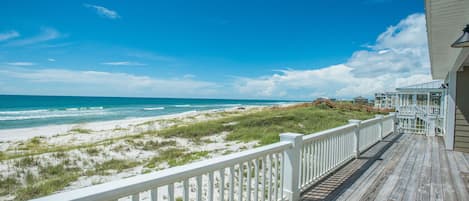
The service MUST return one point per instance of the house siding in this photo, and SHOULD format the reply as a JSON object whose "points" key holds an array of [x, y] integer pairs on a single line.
{"points": [[461, 130]]}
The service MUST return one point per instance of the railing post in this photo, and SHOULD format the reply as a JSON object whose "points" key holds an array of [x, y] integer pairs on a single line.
{"points": [[394, 122], [356, 136], [291, 182], [381, 130]]}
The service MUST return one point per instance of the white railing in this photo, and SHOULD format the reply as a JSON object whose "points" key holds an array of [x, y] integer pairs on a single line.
{"points": [[276, 172], [324, 151]]}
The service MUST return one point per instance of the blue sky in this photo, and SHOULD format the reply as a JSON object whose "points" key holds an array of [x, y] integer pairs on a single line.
{"points": [[219, 49]]}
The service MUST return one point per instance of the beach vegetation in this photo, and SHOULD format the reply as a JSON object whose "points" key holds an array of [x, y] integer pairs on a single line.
{"points": [[81, 130], [8, 185], [114, 164], [155, 145], [92, 151], [175, 157], [27, 161], [266, 125]]}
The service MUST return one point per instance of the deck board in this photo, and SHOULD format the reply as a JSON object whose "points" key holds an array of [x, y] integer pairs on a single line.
{"points": [[401, 167]]}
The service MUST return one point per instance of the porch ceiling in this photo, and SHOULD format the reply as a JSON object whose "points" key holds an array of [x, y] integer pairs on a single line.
{"points": [[445, 21]]}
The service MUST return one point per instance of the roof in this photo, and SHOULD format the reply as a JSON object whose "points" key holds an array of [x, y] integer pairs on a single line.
{"points": [[360, 97], [445, 21], [435, 85]]}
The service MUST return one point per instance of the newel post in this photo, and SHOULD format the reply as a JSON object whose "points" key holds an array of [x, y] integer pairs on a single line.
{"points": [[381, 131], [394, 122], [357, 136], [291, 182]]}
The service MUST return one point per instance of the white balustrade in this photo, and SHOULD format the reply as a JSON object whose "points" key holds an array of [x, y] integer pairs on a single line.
{"points": [[279, 171]]}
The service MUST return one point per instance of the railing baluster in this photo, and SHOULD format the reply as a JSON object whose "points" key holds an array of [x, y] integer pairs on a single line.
{"points": [[136, 197], [231, 196], [276, 177], [240, 181], [185, 186], [248, 180], [269, 194], [199, 188], [308, 165], [222, 185], [263, 178], [210, 186], [171, 192], [256, 179], [282, 168], [154, 194]]}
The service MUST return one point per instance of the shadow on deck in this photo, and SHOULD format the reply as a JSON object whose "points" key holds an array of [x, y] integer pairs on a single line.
{"points": [[400, 167]]}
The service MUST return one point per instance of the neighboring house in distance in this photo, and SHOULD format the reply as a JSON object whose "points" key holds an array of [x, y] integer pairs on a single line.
{"points": [[385, 100], [360, 100], [421, 108]]}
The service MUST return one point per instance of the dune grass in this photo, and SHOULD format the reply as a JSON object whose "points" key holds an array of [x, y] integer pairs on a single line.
{"points": [[265, 126]]}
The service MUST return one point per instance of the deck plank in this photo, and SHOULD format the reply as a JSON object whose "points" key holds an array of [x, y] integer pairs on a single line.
{"points": [[406, 172], [449, 192], [424, 185], [414, 167], [394, 183], [436, 191], [411, 192], [374, 185], [359, 187]]}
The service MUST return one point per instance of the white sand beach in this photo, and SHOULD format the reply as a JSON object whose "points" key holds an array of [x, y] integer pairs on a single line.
{"points": [[85, 146]]}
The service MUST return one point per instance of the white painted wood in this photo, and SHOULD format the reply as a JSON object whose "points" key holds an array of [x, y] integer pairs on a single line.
{"points": [[222, 185], [154, 194], [199, 188], [185, 185], [451, 110], [231, 193], [356, 125], [171, 192], [291, 182], [210, 186]]}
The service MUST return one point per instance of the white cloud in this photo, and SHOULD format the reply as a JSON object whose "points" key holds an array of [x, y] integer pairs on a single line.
{"points": [[20, 63], [123, 63], [72, 82], [105, 12], [46, 34], [8, 35], [399, 57], [51, 59]]}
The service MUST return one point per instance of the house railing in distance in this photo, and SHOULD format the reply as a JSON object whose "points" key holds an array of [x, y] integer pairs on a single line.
{"points": [[279, 171]]}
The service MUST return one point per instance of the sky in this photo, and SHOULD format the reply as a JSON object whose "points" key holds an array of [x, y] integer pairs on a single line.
{"points": [[295, 50]]}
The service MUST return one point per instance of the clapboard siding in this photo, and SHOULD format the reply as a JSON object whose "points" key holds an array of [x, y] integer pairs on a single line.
{"points": [[461, 131], [462, 128]]}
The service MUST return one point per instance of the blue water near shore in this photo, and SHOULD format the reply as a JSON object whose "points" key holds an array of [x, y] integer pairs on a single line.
{"points": [[31, 111]]}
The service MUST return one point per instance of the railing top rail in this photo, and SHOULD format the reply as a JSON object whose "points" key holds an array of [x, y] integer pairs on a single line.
{"points": [[124, 187], [315, 136], [369, 122]]}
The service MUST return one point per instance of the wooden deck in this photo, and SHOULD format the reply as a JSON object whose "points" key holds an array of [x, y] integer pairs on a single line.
{"points": [[401, 167]]}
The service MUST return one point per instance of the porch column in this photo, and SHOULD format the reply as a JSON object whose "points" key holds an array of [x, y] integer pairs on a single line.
{"points": [[451, 110]]}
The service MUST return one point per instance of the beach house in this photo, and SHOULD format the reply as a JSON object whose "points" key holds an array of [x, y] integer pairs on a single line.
{"points": [[385, 100], [362, 160]]}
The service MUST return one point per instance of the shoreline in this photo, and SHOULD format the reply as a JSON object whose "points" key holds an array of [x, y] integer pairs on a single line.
{"points": [[17, 134]]}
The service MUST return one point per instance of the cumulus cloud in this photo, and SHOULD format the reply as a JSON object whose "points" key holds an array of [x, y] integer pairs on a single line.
{"points": [[399, 57], [8, 35], [123, 63], [103, 11], [73, 82]]}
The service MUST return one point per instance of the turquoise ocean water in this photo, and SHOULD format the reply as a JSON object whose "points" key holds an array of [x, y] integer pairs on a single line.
{"points": [[31, 111]]}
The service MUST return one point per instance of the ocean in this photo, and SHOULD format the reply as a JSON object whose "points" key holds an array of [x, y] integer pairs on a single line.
{"points": [[30, 111]]}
